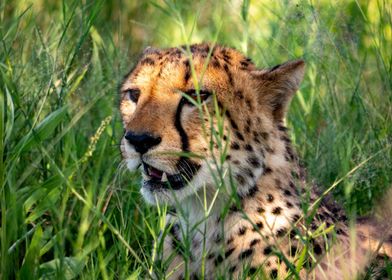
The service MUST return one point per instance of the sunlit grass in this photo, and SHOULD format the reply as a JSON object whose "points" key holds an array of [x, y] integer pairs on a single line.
{"points": [[69, 209]]}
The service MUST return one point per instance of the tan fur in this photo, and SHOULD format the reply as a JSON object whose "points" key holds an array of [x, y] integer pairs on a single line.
{"points": [[255, 219]]}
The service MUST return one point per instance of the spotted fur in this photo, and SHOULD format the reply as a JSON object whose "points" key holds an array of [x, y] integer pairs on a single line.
{"points": [[255, 220]]}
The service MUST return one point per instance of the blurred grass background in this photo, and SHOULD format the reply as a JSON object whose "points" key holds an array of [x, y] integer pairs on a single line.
{"points": [[68, 207]]}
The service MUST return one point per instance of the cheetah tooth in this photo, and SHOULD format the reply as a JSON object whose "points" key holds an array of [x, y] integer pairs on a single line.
{"points": [[164, 177]]}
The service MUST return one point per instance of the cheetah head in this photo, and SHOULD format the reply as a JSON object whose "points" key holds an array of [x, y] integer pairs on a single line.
{"points": [[168, 107]]}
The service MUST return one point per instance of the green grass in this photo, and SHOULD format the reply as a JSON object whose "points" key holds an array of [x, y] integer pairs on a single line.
{"points": [[69, 209]]}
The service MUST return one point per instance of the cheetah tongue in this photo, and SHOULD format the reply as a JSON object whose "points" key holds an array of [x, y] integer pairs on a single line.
{"points": [[155, 173]]}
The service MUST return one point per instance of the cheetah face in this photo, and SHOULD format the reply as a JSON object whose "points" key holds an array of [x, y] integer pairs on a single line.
{"points": [[167, 134], [163, 133]]}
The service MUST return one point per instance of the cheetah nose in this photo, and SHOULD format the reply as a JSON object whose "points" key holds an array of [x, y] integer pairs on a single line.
{"points": [[143, 141]]}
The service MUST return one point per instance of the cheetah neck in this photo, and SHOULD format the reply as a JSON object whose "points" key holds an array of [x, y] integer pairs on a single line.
{"points": [[268, 164], [274, 190], [271, 204]]}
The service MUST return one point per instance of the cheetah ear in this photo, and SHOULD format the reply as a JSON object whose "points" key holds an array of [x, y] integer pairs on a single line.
{"points": [[277, 85]]}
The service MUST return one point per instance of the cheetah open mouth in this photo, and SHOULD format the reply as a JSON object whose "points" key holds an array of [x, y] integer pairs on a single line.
{"points": [[155, 179]]}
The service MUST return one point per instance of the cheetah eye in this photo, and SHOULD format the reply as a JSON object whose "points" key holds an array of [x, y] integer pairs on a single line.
{"points": [[133, 94], [193, 95]]}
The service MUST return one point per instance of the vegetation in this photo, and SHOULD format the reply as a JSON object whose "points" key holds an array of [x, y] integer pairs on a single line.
{"points": [[69, 209]]}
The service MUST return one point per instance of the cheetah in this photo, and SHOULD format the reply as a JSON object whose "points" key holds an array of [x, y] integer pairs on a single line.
{"points": [[207, 129]]}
